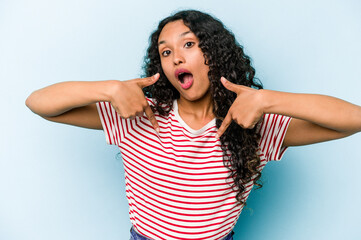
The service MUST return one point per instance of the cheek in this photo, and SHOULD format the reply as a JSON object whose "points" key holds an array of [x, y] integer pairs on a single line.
{"points": [[202, 65], [168, 73], [164, 68], [205, 70]]}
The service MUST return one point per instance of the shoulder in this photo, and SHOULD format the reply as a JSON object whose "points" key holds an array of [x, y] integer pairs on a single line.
{"points": [[273, 125], [273, 131]]}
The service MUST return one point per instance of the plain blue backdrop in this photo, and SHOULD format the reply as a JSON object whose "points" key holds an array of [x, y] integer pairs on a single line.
{"points": [[61, 182]]}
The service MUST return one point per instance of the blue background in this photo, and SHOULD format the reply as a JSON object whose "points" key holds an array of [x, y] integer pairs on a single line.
{"points": [[61, 182]]}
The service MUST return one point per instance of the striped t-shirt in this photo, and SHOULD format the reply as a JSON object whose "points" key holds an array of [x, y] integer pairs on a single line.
{"points": [[176, 184]]}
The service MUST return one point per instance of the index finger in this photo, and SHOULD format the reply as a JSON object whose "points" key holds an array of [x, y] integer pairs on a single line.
{"points": [[225, 124], [148, 111]]}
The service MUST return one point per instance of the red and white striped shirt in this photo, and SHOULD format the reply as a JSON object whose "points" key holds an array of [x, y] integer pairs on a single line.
{"points": [[176, 184]]}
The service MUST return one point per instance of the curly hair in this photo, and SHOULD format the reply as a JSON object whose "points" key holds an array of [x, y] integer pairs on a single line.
{"points": [[225, 57]]}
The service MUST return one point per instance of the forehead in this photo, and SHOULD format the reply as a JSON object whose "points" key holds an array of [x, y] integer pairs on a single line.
{"points": [[173, 30]]}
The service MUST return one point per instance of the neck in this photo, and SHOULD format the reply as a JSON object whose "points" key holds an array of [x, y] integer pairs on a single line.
{"points": [[201, 109]]}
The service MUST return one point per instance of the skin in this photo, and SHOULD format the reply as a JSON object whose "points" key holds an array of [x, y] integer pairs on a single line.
{"points": [[74, 102], [178, 48], [316, 118]]}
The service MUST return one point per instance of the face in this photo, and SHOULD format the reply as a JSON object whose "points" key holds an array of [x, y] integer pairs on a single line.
{"points": [[183, 62]]}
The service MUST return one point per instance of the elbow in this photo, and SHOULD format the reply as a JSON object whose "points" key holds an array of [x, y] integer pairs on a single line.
{"points": [[41, 106], [33, 104], [29, 102]]}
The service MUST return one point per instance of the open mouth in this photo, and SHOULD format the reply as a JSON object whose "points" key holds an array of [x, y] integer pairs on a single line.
{"points": [[185, 78]]}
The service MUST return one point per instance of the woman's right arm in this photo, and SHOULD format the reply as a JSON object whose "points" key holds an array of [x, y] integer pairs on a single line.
{"points": [[74, 102]]}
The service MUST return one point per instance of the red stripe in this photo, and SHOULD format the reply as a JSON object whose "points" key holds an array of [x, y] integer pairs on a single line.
{"points": [[133, 176], [136, 132], [166, 155], [180, 232], [284, 130], [172, 135], [139, 171], [105, 124], [196, 214], [172, 182], [223, 218], [271, 135], [171, 153], [224, 223], [172, 176], [152, 163], [143, 190], [175, 237], [181, 129], [263, 126], [115, 126]]}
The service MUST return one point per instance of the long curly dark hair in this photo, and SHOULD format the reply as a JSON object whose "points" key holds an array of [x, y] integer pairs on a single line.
{"points": [[225, 57]]}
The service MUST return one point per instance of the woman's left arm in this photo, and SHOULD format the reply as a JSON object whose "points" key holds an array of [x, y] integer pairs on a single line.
{"points": [[316, 118]]}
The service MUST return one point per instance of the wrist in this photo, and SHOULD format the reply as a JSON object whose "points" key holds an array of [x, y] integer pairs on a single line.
{"points": [[109, 90], [268, 100]]}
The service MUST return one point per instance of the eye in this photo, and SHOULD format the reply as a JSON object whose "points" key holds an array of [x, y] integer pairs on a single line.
{"points": [[165, 53], [189, 44]]}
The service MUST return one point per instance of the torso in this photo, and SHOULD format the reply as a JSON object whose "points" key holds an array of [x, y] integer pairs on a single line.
{"points": [[176, 184]]}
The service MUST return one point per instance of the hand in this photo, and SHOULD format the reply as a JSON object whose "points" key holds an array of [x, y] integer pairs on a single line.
{"points": [[128, 99], [246, 110]]}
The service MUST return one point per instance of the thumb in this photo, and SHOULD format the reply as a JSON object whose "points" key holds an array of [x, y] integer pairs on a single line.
{"points": [[145, 82], [230, 86]]}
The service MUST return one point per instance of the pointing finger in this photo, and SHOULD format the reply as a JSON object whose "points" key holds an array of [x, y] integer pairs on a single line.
{"points": [[148, 111], [225, 124], [145, 82], [230, 86]]}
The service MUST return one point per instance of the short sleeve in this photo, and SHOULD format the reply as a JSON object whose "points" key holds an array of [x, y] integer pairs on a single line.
{"points": [[115, 127], [273, 130], [112, 123]]}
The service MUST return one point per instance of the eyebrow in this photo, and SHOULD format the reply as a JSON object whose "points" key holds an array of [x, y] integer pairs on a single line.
{"points": [[180, 35]]}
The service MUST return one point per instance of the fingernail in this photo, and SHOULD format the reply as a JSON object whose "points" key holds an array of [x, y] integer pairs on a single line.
{"points": [[217, 136], [157, 132]]}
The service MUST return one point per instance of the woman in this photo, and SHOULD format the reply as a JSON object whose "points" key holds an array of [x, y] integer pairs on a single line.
{"points": [[196, 132]]}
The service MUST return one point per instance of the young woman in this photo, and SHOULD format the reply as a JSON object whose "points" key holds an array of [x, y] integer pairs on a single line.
{"points": [[196, 132]]}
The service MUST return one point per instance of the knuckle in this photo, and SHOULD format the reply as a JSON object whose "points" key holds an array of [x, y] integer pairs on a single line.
{"points": [[151, 117], [128, 115], [145, 103], [139, 109], [120, 113], [250, 124], [148, 80]]}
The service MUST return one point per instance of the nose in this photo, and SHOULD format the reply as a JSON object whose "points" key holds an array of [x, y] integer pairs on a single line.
{"points": [[178, 57]]}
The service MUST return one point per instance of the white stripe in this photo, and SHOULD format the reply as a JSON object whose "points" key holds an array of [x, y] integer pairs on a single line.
{"points": [[181, 173]]}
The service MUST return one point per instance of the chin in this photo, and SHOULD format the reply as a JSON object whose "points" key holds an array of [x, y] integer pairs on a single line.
{"points": [[195, 97]]}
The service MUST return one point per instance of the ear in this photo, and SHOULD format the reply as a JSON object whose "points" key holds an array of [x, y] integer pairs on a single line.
{"points": [[206, 59]]}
